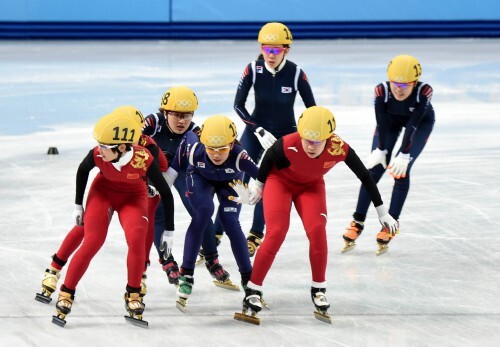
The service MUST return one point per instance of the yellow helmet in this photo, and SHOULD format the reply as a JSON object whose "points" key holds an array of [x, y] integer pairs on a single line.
{"points": [[117, 128], [179, 99], [316, 124], [218, 131], [275, 34], [404, 69], [132, 112]]}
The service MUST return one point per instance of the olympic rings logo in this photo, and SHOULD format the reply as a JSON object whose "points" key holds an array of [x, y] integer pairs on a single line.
{"points": [[270, 37], [312, 135], [216, 141], [184, 103]]}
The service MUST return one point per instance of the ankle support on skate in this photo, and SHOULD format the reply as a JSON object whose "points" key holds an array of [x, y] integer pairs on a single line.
{"points": [[216, 270], [254, 240], [172, 270], [353, 231], [384, 236]]}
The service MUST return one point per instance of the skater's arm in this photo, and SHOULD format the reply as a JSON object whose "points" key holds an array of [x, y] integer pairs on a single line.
{"points": [[156, 177], [354, 163], [274, 156], [82, 176]]}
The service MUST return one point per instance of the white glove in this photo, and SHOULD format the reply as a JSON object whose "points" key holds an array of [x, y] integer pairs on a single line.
{"points": [[255, 192], [377, 157], [78, 215], [167, 242], [152, 192], [265, 138], [242, 192], [399, 165], [386, 220], [170, 175]]}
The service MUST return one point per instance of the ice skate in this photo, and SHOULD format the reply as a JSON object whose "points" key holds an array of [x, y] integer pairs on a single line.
{"points": [[135, 309], [252, 305], [254, 239], [63, 307], [49, 285], [321, 303], [221, 276], [184, 290], [201, 257], [352, 233], [144, 288], [383, 239], [172, 270]]}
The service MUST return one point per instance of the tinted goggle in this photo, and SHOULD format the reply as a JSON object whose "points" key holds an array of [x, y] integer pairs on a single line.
{"points": [[103, 146], [273, 50], [181, 115], [402, 85], [220, 150], [313, 143]]}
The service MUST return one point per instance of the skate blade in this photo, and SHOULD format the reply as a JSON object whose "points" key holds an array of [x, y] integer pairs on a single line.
{"points": [[181, 305], [199, 261], [43, 298], [348, 248], [137, 321], [58, 321], [382, 250], [247, 318], [264, 303], [227, 285], [323, 316]]}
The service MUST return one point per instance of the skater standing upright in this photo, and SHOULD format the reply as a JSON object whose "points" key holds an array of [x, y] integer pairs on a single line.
{"points": [[292, 172], [276, 82], [119, 187], [401, 102]]}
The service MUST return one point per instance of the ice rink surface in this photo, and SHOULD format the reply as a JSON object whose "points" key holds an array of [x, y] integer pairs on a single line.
{"points": [[437, 286]]}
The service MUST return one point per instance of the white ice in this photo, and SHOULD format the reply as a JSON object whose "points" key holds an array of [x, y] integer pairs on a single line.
{"points": [[437, 286]]}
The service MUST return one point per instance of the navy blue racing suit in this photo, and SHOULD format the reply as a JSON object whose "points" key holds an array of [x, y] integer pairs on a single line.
{"points": [[275, 92], [416, 115]]}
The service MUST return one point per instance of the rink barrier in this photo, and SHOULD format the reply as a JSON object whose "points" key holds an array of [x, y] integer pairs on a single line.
{"points": [[247, 30]]}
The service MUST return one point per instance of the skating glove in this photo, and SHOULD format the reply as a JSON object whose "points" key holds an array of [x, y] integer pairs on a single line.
{"points": [[242, 192], [265, 138], [170, 175], [152, 192], [386, 220], [255, 192], [376, 157], [78, 215], [167, 242], [399, 165]]}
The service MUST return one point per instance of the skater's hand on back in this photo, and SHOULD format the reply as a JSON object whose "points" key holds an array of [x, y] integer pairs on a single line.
{"points": [[167, 243], [265, 138], [78, 215], [255, 192], [242, 192]]}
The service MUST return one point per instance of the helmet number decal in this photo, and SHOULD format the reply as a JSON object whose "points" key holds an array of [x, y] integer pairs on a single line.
{"points": [[164, 101], [231, 127], [331, 126], [287, 33], [125, 134], [418, 70]]}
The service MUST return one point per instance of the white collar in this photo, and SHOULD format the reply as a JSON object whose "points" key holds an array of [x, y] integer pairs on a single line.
{"points": [[124, 160], [274, 71]]}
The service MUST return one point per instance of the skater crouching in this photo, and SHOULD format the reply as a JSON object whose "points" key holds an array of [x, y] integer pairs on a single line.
{"points": [[120, 186], [292, 172]]}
